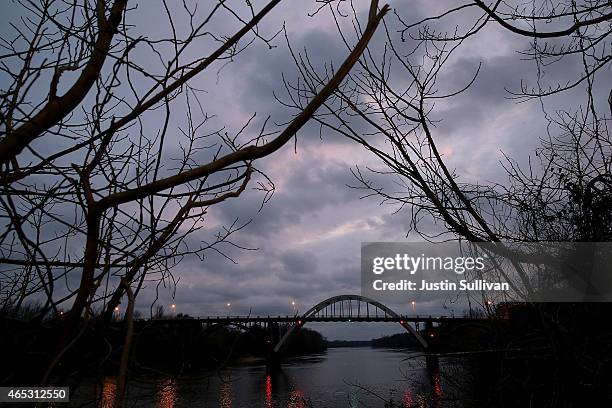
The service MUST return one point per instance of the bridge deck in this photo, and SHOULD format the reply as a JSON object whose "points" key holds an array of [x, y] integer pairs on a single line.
{"points": [[294, 319]]}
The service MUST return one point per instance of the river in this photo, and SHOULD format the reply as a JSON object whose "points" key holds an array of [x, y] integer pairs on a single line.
{"points": [[341, 377]]}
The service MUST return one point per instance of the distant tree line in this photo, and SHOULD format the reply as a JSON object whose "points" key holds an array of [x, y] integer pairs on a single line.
{"points": [[157, 346]]}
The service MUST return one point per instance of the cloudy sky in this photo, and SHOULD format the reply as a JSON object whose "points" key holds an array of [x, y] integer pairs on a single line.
{"points": [[308, 235]]}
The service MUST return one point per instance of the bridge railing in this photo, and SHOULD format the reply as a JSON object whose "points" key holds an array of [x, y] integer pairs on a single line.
{"points": [[294, 318]]}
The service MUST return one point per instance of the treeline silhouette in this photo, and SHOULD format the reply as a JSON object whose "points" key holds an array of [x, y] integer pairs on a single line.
{"points": [[399, 340], [159, 345], [348, 343]]}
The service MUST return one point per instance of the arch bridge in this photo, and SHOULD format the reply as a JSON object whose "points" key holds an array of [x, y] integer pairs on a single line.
{"points": [[342, 308], [350, 308]]}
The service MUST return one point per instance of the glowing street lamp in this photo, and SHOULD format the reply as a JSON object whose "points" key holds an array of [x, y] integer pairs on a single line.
{"points": [[413, 304], [294, 306], [229, 308], [173, 307]]}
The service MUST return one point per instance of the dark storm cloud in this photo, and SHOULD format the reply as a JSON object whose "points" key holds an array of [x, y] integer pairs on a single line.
{"points": [[300, 264], [263, 284], [261, 72], [305, 187], [479, 123]]}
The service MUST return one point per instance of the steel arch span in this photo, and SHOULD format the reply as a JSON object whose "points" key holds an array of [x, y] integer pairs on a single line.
{"points": [[343, 303]]}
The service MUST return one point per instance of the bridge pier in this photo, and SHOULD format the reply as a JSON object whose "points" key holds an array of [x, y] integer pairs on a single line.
{"points": [[273, 359], [432, 362]]}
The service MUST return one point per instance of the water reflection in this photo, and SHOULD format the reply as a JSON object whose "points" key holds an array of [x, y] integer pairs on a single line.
{"points": [[166, 394], [296, 399], [109, 388], [225, 394], [281, 391], [340, 378], [436, 386], [269, 402], [408, 403]]}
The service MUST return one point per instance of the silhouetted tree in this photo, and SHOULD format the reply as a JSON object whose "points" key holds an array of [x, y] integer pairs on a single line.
{"points": [[564, 193], [388, 103], [101, 188]]}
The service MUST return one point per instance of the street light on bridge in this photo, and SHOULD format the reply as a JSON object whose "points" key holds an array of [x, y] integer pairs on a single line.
{"points": [[413, 303], [294, 306]]}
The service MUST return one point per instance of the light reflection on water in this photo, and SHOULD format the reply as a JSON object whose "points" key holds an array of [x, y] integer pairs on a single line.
{"points": [[109, 387], [269, 402], [225, 395], [339, 378], [296, 399], [166, 393], [437, 389]]}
